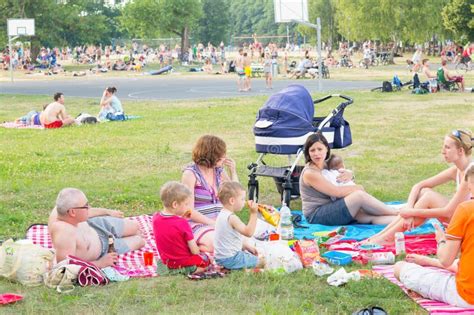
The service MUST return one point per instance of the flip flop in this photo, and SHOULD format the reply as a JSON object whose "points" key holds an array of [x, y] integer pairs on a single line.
{"points": [[8, 298]]}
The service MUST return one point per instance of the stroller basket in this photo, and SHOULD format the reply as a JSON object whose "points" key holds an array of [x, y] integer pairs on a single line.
{"points": [[282, 126]]}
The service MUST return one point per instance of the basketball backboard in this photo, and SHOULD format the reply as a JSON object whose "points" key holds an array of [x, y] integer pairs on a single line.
{"points": [[291, 10], [21, 27]]}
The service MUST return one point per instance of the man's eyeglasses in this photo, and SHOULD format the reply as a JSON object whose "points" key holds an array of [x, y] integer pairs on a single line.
{"points": [[86, 206]]}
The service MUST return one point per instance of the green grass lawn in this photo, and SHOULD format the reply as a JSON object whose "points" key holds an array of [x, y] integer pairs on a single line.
{"points": [[397, 142]]}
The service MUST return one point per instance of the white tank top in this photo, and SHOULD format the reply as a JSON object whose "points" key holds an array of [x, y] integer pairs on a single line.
{"points": [[227, 241]]}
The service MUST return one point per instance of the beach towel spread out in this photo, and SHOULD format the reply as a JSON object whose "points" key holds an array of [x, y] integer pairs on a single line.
{"points": [[433, 307], [130, 264], [355, 232], [14, 125]]}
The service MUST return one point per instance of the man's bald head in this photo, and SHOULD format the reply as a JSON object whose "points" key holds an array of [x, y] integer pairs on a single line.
{"points": [[69, 198]]}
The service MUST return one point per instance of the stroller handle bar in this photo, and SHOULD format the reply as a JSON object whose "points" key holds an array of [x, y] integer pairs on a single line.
{"points": [[347, 98]]}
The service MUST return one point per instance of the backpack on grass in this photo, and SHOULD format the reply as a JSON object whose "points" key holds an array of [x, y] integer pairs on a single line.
{"points": [[387, 86]]}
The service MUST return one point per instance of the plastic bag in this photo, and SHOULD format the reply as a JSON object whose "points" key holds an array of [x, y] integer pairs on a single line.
{"points": [[279, 257], [24, 262], [62, 277]]}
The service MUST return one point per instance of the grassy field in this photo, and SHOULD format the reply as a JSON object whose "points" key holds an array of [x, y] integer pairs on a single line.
{"points": [[397, 141]]}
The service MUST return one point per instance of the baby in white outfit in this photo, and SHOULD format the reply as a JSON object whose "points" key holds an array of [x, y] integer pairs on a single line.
{"points": [[334, 164]]}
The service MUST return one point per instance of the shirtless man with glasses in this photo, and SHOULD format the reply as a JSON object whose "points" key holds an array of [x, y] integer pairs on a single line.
{"points": [[78, 229]]}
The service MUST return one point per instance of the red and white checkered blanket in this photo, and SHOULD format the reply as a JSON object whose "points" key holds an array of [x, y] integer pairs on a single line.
{"points": [[433, 307], [130, 263], [14, 125]]}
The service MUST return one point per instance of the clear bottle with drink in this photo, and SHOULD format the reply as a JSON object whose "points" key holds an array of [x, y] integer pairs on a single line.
{"points": [[285, 228]]}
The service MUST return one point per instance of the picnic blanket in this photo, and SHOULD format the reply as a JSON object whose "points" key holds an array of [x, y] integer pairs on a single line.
{"points": [[433, 307], [14, 125], [130, 264], [355, 232]]}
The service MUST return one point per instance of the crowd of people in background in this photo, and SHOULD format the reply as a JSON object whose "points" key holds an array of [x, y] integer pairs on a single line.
{"points": [[267, 60]]}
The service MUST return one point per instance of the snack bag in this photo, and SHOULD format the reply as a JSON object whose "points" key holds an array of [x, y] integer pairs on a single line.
{"points": [[270, 214], [308, 251]]}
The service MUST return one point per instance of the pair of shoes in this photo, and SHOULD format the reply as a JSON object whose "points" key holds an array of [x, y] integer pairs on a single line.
{"points": [[373, 310]]}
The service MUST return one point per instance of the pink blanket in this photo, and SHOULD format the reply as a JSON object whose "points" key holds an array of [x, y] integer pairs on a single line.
{"points": [[130, 263], [433, 307], [14, 125]]}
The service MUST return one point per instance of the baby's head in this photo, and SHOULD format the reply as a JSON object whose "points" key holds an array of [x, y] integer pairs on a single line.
{"points": [[176, 198], [335, 162], [469, 177], [232, 196]]}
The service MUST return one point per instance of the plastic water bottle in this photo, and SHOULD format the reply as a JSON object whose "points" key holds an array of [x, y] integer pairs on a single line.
{"points": [[399, 243], [286, 225]]}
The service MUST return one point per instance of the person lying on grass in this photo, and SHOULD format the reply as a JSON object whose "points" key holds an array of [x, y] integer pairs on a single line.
{"points": [[79, 230], [173, 235], [455, 289], [423, 202], [230, 249]]}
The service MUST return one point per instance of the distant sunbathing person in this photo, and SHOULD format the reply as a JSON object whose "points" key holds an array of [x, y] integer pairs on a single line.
{"points": [[80, 230], [31, 118], [54, 115], [423, 202]]}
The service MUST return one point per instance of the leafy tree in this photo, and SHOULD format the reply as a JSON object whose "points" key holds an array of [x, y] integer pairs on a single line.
{"points": [[214, 24], [326, 10], [174, 16], [387, 20], [458, 17], [74, 22], [256, 17]]}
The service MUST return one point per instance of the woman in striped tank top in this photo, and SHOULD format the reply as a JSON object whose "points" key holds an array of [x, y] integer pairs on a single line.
{"points": [[203, 177]]}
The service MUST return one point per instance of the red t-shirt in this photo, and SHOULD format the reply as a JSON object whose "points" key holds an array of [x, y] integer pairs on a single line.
{"points": [[172, 234], [461, 228]]}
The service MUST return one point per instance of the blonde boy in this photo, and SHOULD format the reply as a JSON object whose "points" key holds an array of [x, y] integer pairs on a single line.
{"points": [[230, 249], [174, 238]]}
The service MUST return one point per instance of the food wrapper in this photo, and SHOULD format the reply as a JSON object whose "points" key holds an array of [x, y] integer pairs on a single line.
{"points": [[308, 251], [269, 214]]}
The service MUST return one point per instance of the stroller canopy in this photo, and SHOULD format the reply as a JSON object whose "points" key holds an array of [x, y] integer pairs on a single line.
{"points": [[285, 121]]}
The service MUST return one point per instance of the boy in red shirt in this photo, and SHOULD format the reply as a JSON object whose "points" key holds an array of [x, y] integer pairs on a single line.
{"points": [[455, 289], [173, 235]]}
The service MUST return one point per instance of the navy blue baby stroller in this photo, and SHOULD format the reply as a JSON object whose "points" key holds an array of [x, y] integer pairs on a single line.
{"points": [[283, 124]]}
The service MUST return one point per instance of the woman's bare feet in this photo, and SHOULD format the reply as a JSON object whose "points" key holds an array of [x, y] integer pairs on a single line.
{"points": [[420, 260]]}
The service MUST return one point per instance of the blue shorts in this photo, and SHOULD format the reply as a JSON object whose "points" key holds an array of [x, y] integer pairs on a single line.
{"points": [[241, 260], [332, 213], [106, 226]]}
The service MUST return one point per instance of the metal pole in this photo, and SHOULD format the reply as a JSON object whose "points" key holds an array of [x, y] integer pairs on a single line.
{"points": [[11, 61], [320, 68], [287, 35]]}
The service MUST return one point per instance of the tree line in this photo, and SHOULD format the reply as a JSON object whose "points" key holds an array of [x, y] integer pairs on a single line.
{"points": [[78, 22]]}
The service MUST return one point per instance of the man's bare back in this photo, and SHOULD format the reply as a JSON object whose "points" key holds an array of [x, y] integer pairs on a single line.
{"points": [[53, 112]]}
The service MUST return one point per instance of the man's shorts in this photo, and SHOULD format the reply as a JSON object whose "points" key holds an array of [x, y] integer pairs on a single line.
{"points": [[240, 73], [432, 284], [248, 72], [54, 124], [107, 226], [241, 260]]}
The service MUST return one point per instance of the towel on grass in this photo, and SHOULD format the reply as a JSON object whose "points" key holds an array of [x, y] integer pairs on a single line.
{"points": [[129, 264], [14, 125], [433, 307], [355, 232]]}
